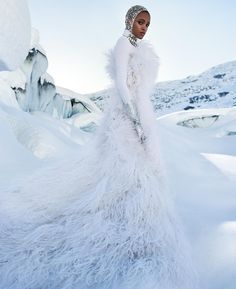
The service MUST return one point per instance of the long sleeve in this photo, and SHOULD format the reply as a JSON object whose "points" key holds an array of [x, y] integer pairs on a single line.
{"points": [[122, 52]]}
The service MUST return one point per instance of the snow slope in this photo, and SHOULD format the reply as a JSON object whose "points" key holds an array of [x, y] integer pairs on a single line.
{"points": [[201, 164]]}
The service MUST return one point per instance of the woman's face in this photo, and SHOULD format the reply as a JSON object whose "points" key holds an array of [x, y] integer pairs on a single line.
{"points": [[140, 25]]}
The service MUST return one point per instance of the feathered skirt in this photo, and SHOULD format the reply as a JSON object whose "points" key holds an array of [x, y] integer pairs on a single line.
{"points": [[102, 219]]}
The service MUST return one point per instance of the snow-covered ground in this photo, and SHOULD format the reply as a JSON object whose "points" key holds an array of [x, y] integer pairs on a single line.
{"points": [[201, 164], [198, 146]]}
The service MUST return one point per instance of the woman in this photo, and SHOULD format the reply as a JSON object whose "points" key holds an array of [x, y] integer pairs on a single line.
{"points": [[105, 220]]}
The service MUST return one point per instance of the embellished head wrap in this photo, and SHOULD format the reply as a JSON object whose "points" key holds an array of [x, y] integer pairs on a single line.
{"points": [[130, 16]]}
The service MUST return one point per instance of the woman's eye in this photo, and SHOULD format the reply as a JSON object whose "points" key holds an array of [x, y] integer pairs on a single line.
{"points": [[140, 22]]}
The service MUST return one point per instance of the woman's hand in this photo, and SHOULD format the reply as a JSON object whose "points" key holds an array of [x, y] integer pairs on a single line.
{"points": [[133, 115]]}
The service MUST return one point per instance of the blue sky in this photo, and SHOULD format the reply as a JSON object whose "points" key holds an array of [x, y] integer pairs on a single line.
{"points": [[189, 36]]}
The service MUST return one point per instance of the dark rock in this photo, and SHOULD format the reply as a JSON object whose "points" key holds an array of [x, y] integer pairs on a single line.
{"points": [[219, 76], [189, 107], [224, 93]]}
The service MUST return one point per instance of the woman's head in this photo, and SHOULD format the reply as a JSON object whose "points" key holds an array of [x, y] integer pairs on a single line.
{"points": [[137, 20]]}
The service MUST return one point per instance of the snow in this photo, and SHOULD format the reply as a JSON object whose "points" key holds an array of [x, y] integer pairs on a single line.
{"points": [[15, 33], [14, 78], [35, 41], [7, 95], [202, 173], [225, 163]]}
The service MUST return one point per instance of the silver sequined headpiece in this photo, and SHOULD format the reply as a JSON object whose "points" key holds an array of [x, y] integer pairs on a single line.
{"points": [[131, 15], [129, 21]]}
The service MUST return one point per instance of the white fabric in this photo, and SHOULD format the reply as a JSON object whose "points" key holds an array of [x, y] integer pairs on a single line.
{"points": [[124, 78], [104, 220], [122, 52]]}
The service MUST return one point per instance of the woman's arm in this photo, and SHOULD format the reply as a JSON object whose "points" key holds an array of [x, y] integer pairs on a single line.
{"points": [[121, 56]]}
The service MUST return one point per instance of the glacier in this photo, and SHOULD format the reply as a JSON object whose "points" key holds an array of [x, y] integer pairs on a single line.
{"points": [[30, 88], [15, 33]]}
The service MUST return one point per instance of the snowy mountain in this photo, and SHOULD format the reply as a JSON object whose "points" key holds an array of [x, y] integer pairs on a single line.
{"points": [[215, 87]]}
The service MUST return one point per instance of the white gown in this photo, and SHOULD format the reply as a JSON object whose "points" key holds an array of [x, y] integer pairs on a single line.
{"points": [[104, 219]]}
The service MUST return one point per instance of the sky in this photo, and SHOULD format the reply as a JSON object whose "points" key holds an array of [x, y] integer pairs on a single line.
{"points": [[189, 36]]}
